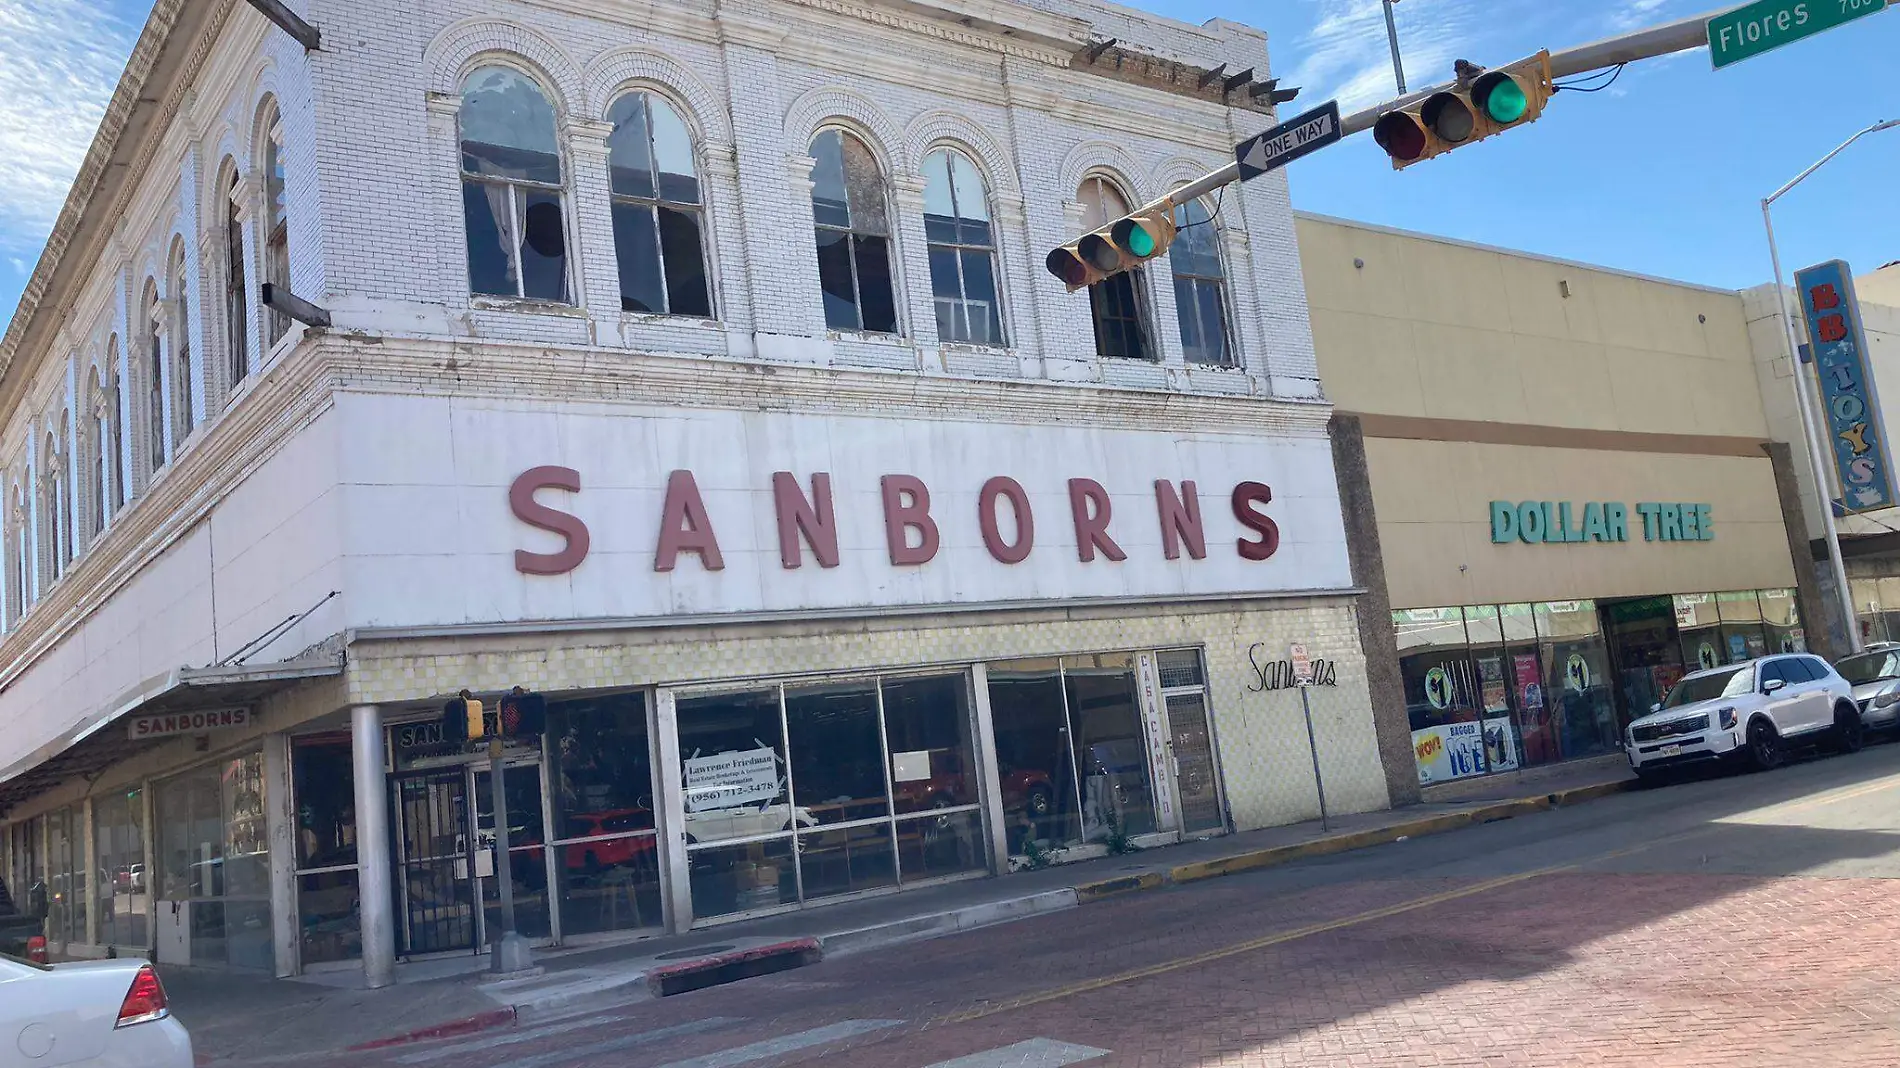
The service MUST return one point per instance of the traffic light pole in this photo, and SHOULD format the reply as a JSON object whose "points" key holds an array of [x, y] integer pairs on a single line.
{"points": [[1804, 397], [1678, 36], [509, 953]]}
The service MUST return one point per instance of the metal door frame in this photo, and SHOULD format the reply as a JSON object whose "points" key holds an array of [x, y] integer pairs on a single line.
{"points": [[400, 842]]}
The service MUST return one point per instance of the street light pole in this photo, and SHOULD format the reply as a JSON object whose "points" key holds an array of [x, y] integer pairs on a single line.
{"points": [[1811, 419], [1392, 36]]}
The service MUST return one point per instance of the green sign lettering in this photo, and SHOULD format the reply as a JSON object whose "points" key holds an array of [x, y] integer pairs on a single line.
{"points": [[1563, 522]]}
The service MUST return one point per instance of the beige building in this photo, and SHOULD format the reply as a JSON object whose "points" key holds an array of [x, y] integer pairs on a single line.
{"points": [[1574, 498]]}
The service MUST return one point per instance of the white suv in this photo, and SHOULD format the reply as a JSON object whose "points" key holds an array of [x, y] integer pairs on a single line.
{"points": [[1750, 711]]}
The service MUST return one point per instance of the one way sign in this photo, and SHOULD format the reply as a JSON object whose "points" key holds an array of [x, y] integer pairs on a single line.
{"points": [[1288, 141]]}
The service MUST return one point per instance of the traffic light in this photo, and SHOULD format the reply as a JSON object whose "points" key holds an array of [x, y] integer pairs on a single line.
{"points": [[462, 719], [1129, 241], [1482, 103], [522, 714]]}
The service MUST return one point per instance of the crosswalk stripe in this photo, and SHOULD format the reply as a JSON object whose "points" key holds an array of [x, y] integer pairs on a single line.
{"points": [[509, 1039], [615, 1045], [773, 1047], [1033, 1053]]}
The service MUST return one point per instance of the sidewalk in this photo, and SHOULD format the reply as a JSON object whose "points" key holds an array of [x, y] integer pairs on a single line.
{"points": [[245, 1019]]}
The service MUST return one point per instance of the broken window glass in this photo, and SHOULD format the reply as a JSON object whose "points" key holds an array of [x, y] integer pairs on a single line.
{"points": [[1199, 284], [1115, 302], [853, 235], [277, 228], [237, 327], [658, 220], [511, 188], [962, 252]]}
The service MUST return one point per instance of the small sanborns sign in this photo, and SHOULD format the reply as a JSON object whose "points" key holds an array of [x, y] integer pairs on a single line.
{"points": [[728, 780], [216, 719]]}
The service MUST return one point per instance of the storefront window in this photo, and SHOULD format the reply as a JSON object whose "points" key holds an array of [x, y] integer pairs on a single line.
{"points": [[873, 785], [65, 876], [118, 837], [1441, 693], [1536, 727], [25, 873], [1112, 752], [1034, 762], [733, 775], [1576, 673], [527, 859], [323, 780], [1741, 630], [600, 766], [1782, 618], [214, 862]]}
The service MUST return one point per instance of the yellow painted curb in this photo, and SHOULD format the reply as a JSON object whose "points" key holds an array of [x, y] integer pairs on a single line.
{"points": [[1125, 884], [1578, 794]]}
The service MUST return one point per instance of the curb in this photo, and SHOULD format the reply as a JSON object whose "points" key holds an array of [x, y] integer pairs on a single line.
{"points": [[467, 1025], [670, 979], [970, 917], [1418, 828]]}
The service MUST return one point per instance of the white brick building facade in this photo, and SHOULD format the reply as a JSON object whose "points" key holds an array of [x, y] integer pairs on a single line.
{"points": [[328, 527]]}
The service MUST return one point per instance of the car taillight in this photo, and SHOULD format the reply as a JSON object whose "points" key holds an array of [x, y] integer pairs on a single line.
{"points": [[145, 1002], [36, 949]]}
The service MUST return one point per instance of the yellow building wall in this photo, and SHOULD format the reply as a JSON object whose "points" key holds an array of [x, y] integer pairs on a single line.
{"points": [[1434, 507], [1410, 325]]}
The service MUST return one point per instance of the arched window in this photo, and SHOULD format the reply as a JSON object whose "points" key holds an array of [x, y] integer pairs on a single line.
{"points": [[111, 431], [658, 221], [1115, 301], [63, 498], [96, 463], [182, 421], [52, 508], [155, 377], [962, 250], [276, 222], [22, 553], [511, 188], [237, 314], [1200, 299], [854, 235]]}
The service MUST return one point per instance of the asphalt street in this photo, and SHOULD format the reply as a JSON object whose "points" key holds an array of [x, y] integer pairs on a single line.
{"points": [[1745, 919]]}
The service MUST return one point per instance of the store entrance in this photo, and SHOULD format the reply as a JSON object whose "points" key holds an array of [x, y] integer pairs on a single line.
{"points": [[445, 856], [1645, 652]]}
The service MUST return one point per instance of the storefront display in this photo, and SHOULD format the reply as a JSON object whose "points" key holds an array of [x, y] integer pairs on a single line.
{"points": [[213, 867], [1556, 680], [124, 894]]}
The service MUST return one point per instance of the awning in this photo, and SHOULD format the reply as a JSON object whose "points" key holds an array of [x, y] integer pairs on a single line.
{"points": [[91, 746]]}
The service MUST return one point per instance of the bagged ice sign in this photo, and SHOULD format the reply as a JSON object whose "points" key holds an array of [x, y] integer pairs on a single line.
{"points": [[728, 780]]}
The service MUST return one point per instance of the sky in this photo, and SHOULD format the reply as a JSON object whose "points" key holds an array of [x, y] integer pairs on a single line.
{"points": [[1662, 173]]}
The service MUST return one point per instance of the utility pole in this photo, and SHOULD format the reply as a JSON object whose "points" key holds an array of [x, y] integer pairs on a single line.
{"points": [[1392, 37]]}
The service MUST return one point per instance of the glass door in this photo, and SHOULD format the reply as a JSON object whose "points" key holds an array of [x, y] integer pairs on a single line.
{"points": [[435, 886], [1190, 741], [527, 845]]}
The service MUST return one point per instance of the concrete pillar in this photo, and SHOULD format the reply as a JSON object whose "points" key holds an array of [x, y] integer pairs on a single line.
{"points": [[1391, 725], [676, 891], [987, 779], [1815, 595], [373, 887], [88, 897], [280, 825]]}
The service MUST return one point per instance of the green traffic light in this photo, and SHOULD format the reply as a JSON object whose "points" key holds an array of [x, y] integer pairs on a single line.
{"points": [[1140, 241], [1506, 103]]}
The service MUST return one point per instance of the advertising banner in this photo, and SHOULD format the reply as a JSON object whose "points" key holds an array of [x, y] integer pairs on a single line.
{"points": [[1456, 750], [729, 780], [1856, 435]]}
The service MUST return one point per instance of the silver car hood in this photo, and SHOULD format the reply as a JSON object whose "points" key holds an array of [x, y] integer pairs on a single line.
{"points": [[1865, 690], [1688, 711]]}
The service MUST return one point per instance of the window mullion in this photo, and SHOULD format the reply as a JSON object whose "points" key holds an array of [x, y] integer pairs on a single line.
{"points": [[659, 250], [857, 290], [517, 224]]}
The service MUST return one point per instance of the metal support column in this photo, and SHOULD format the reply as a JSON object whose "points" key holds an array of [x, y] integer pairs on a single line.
{"points": [[676, 888], [987, 778], [372, 847], [281, 830]]}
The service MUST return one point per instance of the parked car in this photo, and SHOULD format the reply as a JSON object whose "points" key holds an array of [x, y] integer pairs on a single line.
{"points": [[1753, 712], [94, 1014], [1875, 676], [609, 852], [23, 926]]}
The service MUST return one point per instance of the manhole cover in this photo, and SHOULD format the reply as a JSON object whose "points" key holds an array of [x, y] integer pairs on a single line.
{"points": [[682, 954]]}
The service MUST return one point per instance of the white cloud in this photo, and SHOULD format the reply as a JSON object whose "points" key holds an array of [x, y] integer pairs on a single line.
{"points": [[1631, 14], [1346, 53], [59, 61]]}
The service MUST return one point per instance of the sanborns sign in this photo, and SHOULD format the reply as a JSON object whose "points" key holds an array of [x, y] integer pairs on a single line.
{"points": [[188, 722]]}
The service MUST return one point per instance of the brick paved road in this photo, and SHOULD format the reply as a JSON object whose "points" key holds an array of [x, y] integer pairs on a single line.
{"points": [[1748, 920]]}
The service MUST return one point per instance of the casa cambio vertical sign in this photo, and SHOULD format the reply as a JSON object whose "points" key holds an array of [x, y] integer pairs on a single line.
{"points": [[1855, 431]]}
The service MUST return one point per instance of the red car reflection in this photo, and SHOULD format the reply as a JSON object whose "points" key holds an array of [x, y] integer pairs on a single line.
{"points": [[612, 852]]}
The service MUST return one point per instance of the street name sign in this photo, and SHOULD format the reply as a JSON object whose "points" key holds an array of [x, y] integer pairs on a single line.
{"points": [[1275, 148], [1765, 25]]}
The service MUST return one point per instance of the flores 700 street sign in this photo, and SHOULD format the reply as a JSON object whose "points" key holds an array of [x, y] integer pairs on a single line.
{"points": [[1288, 141], [1766, 25]]}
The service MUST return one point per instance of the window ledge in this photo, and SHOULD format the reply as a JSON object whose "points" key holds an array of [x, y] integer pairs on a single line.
{"points": [[533, 307], [872, 336], [966, 348], [657, 319]]}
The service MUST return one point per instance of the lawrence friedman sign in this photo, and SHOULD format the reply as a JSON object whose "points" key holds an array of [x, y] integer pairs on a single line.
{"points": [[572, 511], [1556, 522]]}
